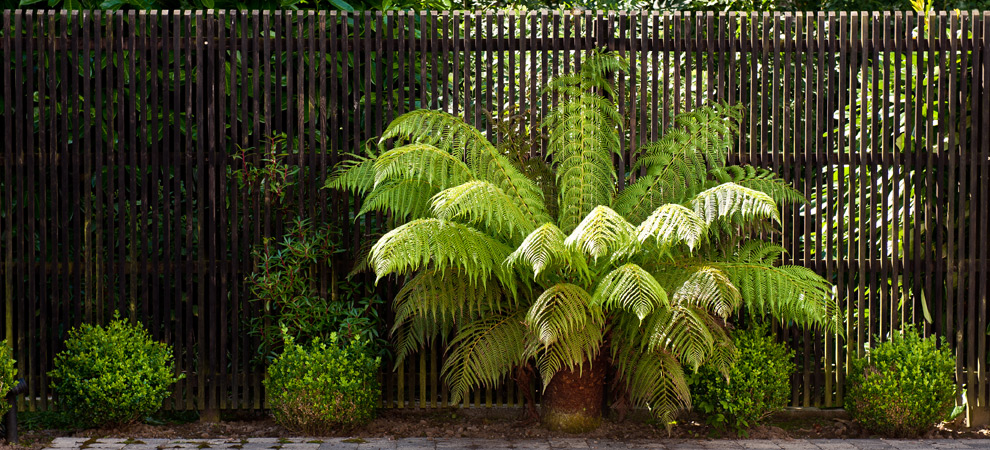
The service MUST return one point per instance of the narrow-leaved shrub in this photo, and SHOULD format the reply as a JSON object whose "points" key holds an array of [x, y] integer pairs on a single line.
{"points": [[758, 382], [903, 387], [112, 375], [324, 386], [8, 375]]}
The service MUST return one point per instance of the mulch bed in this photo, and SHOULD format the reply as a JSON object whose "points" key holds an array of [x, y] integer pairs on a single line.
{"points": [[495, 423]]}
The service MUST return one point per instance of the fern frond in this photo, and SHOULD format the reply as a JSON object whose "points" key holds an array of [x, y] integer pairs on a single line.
{"points": [[764, 181], [630, 288], [448, 245], [708, 288], [417, 332], [356, 175], [543, 249], [583, 139], [672, 224], [422, 162], [560, 310], [788, 293], [602, 232], [569, 352], [481, 203], [448, 297], [404, 199], [483, 352], [678, 165], [653, 379], [730, 200], [686, 335], [449, 133]]}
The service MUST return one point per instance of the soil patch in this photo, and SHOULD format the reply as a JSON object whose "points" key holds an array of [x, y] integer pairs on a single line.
{"points": [[496, 423]]}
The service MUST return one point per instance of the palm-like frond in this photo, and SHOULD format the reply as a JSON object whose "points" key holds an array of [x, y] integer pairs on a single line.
{"points": [[678, 165], [602, 232], [672, 224], [541, 250], [764, 181], [631, 288], [572, 351], [448, 245], [448, 297], [730, 200], [405, 199], [483, 352], [653, 379], [686, 335], [583, 137], [356, 174], [790, 293], [422, 162], [559, 311], [708, 288], [416, 332], [481, 203], [451, 134]]}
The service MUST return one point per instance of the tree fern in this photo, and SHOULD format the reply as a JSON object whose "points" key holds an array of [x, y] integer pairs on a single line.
{"points": [[655, 272]]}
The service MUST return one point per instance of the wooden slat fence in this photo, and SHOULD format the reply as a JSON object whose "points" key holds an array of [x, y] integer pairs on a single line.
{"points": [[120, 129]]}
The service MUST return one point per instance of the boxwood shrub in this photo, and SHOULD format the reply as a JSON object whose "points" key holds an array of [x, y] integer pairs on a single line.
{"points": [[112, 375], [903, 387], [324, 386], [758, 383], [8, 375]]}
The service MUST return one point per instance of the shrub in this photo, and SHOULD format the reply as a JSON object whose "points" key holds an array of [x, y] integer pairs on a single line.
{"points": [[324, 386], [903, 387], [758, 382], [8, 375], [112, 375], [286, 282]]}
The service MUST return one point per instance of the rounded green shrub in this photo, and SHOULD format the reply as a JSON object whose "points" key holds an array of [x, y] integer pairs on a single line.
{"points": [[112, 375], [758, 382], [325, 386], [8, 375], [903, 387]]}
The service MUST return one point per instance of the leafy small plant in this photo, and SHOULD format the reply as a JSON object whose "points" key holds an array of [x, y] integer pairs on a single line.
{"points": [[324, 386], [286, 281], [903, 387], [755, 386], [8, 375], [112, 375]]}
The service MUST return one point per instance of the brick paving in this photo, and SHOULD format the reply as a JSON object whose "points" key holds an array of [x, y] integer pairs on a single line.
{"points": [[522, 444]]}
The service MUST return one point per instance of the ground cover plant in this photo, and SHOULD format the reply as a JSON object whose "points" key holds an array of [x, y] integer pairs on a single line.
{"points": [[324, 386], [903, 387], [112, 375], [756, 385], [643, 279]]}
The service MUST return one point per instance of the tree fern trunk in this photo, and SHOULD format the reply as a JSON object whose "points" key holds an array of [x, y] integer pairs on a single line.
{"points": [[573, 400]]}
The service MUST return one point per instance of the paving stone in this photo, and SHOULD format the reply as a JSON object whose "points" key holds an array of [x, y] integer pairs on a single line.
{"points": [[568, 443], [758, 444], [869, 444], [258, 446], [300, 446], [959, 444], [67, 442], [262, 440], [645, 444], [605, 444], [140, 447], [530, 445], [721, 444], [832, 444]]}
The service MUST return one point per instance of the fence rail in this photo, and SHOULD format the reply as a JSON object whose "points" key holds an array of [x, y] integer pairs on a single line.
{"points": [[120, 131]]}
